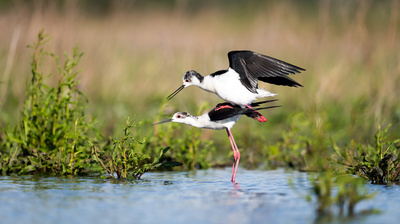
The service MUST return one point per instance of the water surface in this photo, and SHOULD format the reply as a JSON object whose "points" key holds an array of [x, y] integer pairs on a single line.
{"points": [[205, 196]]}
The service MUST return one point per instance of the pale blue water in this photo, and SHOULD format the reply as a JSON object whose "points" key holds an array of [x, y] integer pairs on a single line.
{"points": [[204, 196]]}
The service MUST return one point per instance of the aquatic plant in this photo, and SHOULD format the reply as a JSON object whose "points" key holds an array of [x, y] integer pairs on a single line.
{"points": [[331, 190], [378, 163], [53, 129], [124, 160]]}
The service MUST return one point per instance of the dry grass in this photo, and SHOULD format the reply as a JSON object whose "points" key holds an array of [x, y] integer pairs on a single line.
{"points": [[134, 58]]}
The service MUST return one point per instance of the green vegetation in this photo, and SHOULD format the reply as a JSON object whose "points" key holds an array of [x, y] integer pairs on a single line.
{"points": [[54, 137], [378, 163], [53, 131], [124, 161], [350, 91]]}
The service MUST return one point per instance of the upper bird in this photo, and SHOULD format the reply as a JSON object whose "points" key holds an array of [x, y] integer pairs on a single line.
{"points": [[239, 83]]}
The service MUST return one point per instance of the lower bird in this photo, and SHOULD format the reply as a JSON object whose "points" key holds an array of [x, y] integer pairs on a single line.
{"points": [[223, 116]]}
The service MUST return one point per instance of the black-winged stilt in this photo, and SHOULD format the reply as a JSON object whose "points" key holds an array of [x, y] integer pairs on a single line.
{"points": [[223, 116], [239, 83]]}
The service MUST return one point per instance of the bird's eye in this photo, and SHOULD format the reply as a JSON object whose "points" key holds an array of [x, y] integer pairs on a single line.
{"points": [[187, 80], [179, 116]]}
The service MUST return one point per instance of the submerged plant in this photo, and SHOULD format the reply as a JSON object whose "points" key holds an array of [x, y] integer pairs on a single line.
{"points": [[351, 190], [337, 193], [53, 131], [124, 160]]}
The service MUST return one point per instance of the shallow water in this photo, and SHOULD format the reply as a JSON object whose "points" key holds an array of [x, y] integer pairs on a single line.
{"points": [[204, 196]]}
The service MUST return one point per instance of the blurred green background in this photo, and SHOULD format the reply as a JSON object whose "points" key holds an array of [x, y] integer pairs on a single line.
{"points": [[137, 51]]}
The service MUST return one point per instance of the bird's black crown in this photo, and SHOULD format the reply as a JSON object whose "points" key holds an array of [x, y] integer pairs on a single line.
{"points": [[189, 74]]}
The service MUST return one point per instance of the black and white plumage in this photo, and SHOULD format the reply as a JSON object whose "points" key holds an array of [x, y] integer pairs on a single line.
{"points": [[223, 116], [253, 66], [239, 83]]}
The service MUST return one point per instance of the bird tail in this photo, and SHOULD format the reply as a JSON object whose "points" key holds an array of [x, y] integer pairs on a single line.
{"points": [[252, 111], [264, 93], [263, 108], [256, 104]]}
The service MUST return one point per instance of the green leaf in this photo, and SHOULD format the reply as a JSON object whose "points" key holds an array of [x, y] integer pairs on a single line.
{"points": [[171, 164]]}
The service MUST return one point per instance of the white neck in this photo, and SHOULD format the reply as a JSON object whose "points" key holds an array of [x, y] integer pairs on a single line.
{"points": [[193, 121], [207, 84]]}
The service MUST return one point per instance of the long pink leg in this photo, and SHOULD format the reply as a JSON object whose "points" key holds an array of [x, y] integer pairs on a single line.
{"points": [[236, 155], [261, 118], [234, 152]]}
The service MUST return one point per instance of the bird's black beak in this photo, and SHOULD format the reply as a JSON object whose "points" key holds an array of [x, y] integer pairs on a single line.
{"points": [[175, 92], [169, 120]]}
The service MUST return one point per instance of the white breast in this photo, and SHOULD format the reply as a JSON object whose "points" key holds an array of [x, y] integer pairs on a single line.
{"points": [[205, 122]]}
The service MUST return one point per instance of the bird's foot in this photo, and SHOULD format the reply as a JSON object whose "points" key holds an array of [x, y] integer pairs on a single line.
{"points": [[222, 106], [261, 118]]}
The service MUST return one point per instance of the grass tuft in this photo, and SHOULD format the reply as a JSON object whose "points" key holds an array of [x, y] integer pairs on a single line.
{"points": [[125, 161]]}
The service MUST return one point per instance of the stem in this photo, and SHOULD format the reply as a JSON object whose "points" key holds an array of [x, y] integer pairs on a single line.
{"points": [[71, 161]]}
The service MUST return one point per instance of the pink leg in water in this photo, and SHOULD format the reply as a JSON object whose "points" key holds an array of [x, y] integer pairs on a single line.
{"points": [[260, 117], [236, 155]]}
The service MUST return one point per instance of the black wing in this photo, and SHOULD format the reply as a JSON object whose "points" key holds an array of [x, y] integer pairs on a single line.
{"points": [[223, 111], [253, 66], [226, 110]]}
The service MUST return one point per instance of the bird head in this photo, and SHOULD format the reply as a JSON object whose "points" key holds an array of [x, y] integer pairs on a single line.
{"points": [[192, 78], [179, 117], [189, 78]]}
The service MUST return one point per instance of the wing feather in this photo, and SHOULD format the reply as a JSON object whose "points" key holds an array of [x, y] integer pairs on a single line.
{"points": [[253, 66]]}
